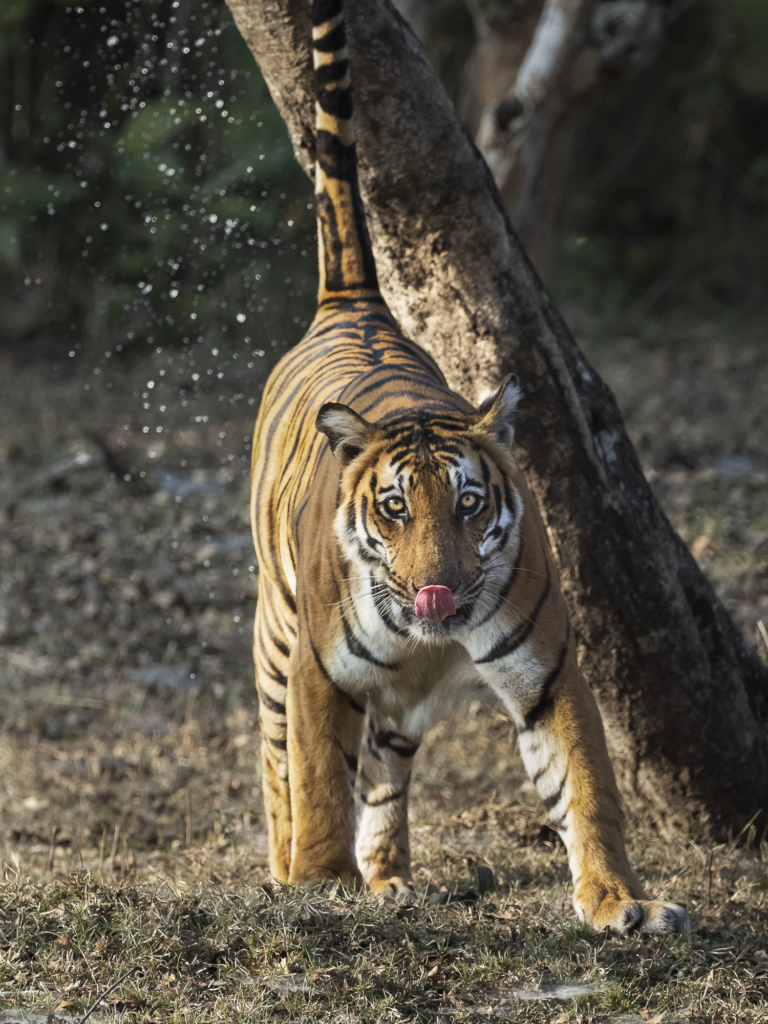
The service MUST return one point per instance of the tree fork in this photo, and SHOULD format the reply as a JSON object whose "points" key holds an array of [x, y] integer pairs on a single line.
{"points": [[683, 696]]}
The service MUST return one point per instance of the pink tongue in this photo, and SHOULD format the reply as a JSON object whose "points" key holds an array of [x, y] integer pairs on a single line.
{"points": [[435, 603]]}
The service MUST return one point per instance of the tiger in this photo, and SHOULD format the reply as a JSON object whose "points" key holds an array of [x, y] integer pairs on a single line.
{"points": [[402, 559]]}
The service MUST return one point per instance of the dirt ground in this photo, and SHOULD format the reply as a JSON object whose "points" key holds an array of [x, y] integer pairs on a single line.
{"points": [[128, 744]]}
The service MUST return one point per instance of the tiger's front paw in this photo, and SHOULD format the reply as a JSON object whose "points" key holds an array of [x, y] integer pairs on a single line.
{"points": [[397, 888], [325, 878], [624, 916]]}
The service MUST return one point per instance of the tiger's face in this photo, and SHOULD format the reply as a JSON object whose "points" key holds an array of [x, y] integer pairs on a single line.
{"points": [[428, 511]]}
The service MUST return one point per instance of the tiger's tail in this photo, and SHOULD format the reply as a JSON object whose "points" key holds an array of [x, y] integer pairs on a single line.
{"points": [[347, 268]]}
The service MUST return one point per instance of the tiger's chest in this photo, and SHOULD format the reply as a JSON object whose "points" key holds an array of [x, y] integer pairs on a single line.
{"points": [[411, 683]]}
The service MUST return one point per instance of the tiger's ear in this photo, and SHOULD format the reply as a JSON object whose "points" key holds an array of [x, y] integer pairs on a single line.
{"points": [[494, 416], [348, 433]]}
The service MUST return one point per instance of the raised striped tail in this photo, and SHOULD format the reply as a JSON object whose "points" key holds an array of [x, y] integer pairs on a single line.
{"points": [[347, 268]]}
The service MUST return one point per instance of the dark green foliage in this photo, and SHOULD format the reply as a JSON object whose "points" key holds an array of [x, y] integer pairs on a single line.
{"points": [[147, 186], [667, 202]]}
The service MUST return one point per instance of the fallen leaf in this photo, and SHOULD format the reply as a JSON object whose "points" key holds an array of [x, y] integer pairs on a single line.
{"points": [[34, 803]]}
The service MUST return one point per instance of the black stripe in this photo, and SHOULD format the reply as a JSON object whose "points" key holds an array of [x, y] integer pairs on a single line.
{"points": [[351, 518], [486, 477], [551, 801], [354, 704], [539, 709], [328, 73], [384, 739], [508, 499], [333, 247], [370, 539], [450, 422], [509, 643], [379, 597], [372, 751], [384, 799], [350, 700], [324, 10], [497, 498], [331, 41], [275, 674], [501, 536], [359, 649], [278, 744], [558, 823], [442, 447], [268, 702], [542, 771], [366, 556], [351, 760], [503, 593], [415, 377], [336, 102]]}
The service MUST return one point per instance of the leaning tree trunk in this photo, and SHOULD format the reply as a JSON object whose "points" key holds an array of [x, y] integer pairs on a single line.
{"points": [[684, 698]]}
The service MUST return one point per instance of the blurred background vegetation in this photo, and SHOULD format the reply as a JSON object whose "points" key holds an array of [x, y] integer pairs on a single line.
{"points": [[148, 193], [148, 189], [666, 208]]}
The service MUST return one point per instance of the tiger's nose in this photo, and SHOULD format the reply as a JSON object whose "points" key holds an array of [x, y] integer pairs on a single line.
{"points": [[447, 579]]}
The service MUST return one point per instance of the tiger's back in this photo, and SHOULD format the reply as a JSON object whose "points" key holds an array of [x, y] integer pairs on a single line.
{"points": [[353, 352]]}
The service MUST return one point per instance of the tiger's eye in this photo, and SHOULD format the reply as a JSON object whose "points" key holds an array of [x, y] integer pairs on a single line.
{"points": [[469, 502], [395, 506]]}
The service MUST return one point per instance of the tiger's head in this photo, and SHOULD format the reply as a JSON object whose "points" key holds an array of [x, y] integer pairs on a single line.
{"points": [[428, 510]]}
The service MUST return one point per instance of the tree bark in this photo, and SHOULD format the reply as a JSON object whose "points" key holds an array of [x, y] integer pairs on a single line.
{"points": [[683, 696]]}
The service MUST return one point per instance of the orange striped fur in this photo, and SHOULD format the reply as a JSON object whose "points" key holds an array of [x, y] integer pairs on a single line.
{"points": [[372, 480]]}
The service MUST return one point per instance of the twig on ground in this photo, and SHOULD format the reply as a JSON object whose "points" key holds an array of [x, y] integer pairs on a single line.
{"points": [[710, 855], [763, 632], [118, 463], [737, 837], [111, 988], [51, 855], [56, 471]]}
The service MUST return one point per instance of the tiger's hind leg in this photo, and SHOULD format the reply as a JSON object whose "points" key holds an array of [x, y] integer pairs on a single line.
{"points": [[383, 850], [271, 660]]}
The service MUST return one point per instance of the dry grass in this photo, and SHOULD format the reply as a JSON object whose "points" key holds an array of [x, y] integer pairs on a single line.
{"points": [[232, 948], [132, 832]]}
